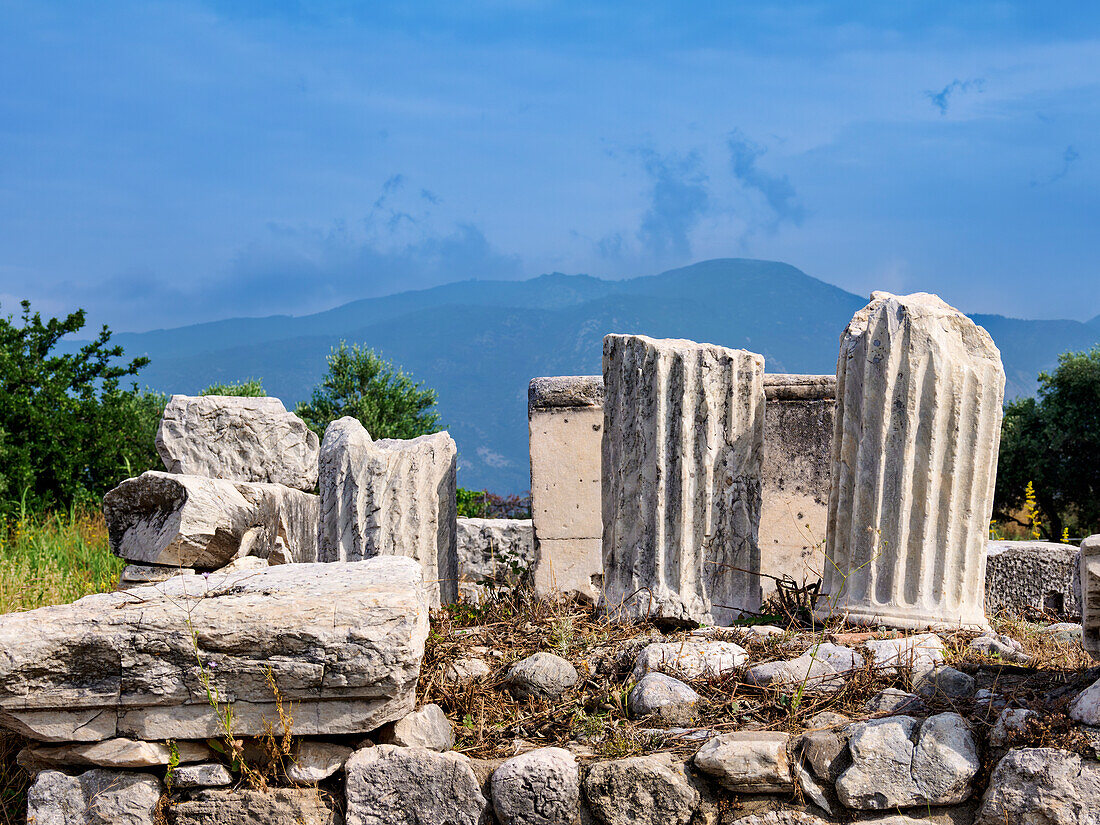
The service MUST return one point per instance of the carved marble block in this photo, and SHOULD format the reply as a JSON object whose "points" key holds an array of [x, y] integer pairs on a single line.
{"points": [[682, 451], [390, 497], [918, 424], [1090, 595]]}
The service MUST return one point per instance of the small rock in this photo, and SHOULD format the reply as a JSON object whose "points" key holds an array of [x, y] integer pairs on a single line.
{"points": [[542, 675], [986, 698], [664, 697], [1063, 632], [465, 670], [898, 762], [1045, 786], [96, 797], [1086, 707], [763, 631], [825, 745], [204, 775], [1007, 648], [315, 761], [748, 761], [1011, 720], [946, 682], [389, 784], [641, 789], [428, 728], [822, 669], [245, 563], [690, 659], [916, 654], [540, 787], [892, 700], [237, 806], [811, 788]]}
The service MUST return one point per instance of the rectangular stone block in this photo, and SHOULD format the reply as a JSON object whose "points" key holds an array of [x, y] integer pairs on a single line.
{"points": [[390, 497], [1031, 574], [682, 454], [1090, 595], [343, 642], [492, 550], [565, 419]]}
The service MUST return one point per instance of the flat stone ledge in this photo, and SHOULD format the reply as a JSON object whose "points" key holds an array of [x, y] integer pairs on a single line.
{"points": [[797, 387], [565, 391]]}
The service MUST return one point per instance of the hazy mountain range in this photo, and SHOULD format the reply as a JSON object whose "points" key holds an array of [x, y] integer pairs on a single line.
{"points": [[478, 343]]}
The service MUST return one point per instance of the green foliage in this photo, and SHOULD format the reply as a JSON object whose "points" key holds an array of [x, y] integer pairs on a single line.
{"points": [[385, 399], [71, 431], [1053, 442], [249, 388], [472, 503]]}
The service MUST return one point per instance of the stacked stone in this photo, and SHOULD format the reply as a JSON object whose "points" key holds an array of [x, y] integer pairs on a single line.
{"points": [[682, 448], [390, 498], [919, 395]]}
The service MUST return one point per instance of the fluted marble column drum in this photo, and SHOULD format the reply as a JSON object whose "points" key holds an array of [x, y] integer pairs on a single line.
{"points": [[682, 451], [919, 394]]}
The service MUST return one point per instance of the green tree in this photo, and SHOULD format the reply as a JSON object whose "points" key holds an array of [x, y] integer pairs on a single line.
{"points": [[71, 431], [249, 388], [1053, 441], [385, 399]]}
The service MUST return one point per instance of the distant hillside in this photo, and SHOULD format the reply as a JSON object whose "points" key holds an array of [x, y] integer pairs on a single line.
{"points": [[478, 343]]}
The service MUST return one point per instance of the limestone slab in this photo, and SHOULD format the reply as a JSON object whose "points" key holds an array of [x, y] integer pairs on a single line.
{"points": [[242, 439], [116, 753], [540, 787], [1090, 595], [390, 497], [274, 806], [1042, 785], [343, 642], [682, 450], [96, 797], [1023, 575], [748, 761], [641, 789], [919, 400], [492, 551]]}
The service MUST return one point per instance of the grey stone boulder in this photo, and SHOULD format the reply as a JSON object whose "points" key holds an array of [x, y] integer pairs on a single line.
{"points": [[894, 701], [274, 806], [540, 787], [1042, 786], [825, 745], [465, 669], [690, 659], [186, 521], [96, 797], [1011, 721], [203, 775], [1000, 646], [1023, 575], [898, 762], [641, 790], [391, 785], [428, 728], [664, 697], [343, 642], [945, 682], [240, 439], [541, 675], [493, 550], [1065, 633], [1086, 707], [748, 761], [314, 761], [822, 669], [916, 654]]}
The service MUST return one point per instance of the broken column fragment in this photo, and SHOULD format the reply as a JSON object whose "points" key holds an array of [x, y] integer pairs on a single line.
{"points": [[193, 521], [1090, 595], [565, 420], [682, 449], [918, 423], [240, 439], [390, 497], [342, 641]]}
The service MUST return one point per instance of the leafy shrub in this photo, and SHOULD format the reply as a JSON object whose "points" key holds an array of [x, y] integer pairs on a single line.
{"points": [[249, 388]]}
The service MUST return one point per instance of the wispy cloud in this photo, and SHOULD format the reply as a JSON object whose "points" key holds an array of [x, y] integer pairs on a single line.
{"points": [[678, 199], [1070, 156], [942, 99], [777, 190]]}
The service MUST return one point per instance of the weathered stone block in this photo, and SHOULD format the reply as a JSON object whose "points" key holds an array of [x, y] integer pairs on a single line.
{"points": [[1031, 574], [565, 421], [274, 806], [390, 498], [918, 423], [641, 789], [192, 521], [96, 797], [748, 761], [682, 450], [499, 550], [1042, 785], [342, 641], [1090, 595], [241, 439]]}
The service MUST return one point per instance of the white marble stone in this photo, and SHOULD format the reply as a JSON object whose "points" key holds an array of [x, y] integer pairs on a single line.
{"points": [[1090, 595], [919, 395], [682, 451]]}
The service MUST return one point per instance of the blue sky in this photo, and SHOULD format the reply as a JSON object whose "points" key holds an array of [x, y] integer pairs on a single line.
{"points": [[165, 163]]}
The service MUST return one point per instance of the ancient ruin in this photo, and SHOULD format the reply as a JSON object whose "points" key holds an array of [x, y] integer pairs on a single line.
{"points": [[682, 451], [919, 395]]}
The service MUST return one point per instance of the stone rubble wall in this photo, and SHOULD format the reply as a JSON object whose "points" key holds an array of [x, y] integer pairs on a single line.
{"points": [[493, 553]]}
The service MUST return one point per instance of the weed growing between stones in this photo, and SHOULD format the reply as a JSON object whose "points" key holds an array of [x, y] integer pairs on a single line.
{"points": [[14, 780]]}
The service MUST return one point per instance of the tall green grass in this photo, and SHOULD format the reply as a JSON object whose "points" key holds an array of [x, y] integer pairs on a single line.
{"points": [[54, 559]]}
